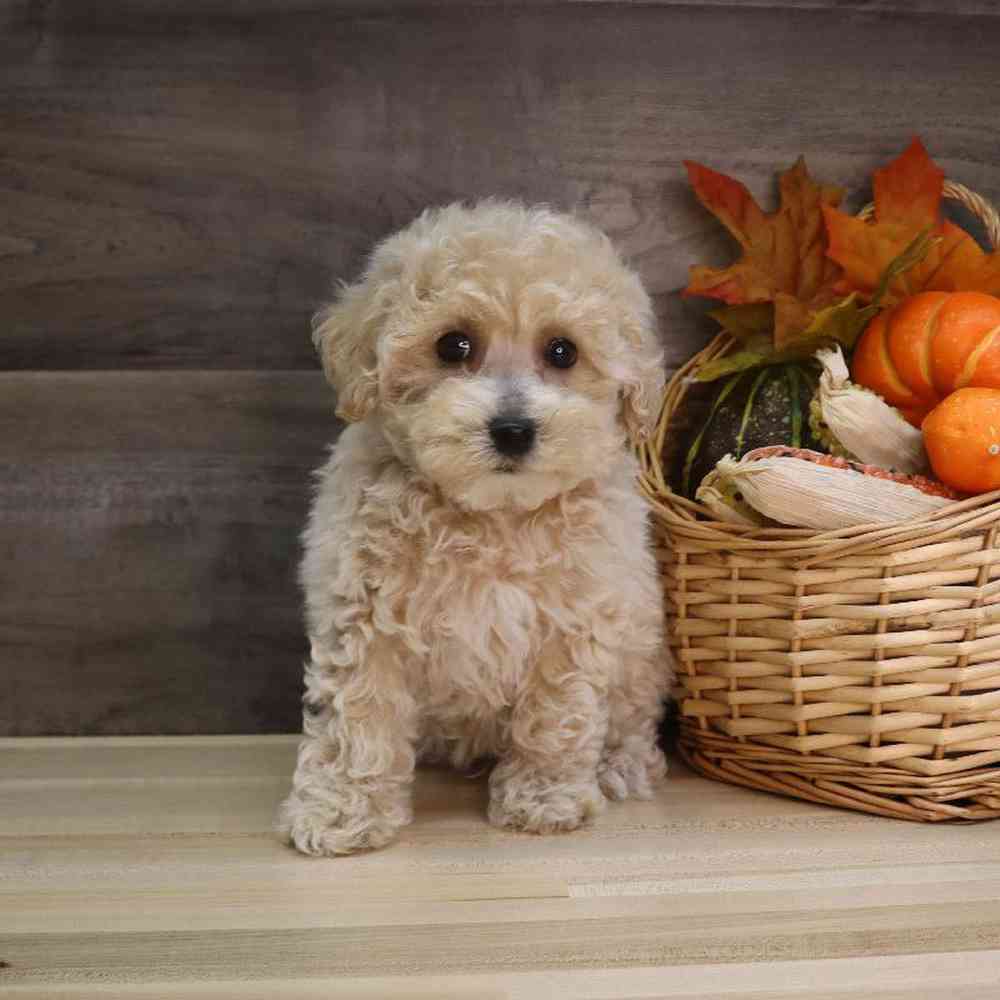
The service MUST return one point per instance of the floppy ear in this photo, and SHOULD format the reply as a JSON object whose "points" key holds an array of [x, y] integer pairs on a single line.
{"points": [[346, 335], [645, 378]]}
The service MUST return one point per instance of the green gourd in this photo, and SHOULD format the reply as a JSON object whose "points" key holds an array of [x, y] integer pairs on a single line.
{"points": [[749, 410]]}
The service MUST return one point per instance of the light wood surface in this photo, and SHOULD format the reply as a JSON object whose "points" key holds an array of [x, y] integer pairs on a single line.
{"points": [[145, 867]]}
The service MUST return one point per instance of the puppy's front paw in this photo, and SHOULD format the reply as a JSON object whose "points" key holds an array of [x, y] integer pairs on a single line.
{"points": [[631, 772], [325, 830], [539, 804]]}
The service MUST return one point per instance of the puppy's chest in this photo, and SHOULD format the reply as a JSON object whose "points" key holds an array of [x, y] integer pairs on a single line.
{"points": [[482, 598], [489, 585]]}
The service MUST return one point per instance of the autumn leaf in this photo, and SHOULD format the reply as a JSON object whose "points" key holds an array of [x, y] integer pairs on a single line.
{"points": [[840, 323], [745, 320], [784, 253], [754, 353], [909, 189], [811, 276], [907, 195], [844, 321]]}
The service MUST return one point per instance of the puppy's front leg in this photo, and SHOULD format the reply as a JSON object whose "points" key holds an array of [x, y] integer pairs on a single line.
{"points": [[352, 784], [547, 781]]}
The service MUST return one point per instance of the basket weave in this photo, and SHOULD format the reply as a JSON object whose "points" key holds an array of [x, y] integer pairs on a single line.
{"points": [[858, 668]]}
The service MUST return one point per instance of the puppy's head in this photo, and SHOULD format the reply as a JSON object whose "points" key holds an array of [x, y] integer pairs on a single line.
{"points": [[507, 351]]}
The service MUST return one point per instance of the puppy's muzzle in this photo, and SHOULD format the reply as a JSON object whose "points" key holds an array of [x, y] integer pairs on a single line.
{"points": [[512, 437]]}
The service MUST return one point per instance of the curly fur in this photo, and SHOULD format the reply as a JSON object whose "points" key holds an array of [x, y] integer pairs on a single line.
{"points": [[460, 608]]}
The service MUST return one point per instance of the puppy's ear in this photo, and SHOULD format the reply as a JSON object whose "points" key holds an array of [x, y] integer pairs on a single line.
{"points": [[643, 384], [346, 336]]}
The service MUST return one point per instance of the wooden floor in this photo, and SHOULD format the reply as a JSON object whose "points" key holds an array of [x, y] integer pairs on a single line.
{"points": [[145, 868]]}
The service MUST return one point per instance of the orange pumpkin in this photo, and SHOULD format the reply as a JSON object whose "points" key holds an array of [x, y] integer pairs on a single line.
{"points": [[931, 344], [962, 438]]}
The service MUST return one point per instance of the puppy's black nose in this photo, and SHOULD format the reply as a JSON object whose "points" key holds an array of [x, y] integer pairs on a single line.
{"points": [[512, 436]]}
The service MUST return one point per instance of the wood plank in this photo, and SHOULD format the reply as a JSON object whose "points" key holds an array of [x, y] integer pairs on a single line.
{"points": [[109, 801], [897, 978], [149, 529], [755, 896], [180, 184], [503, 945], [127, 758], [256, 8], [469, 900]]}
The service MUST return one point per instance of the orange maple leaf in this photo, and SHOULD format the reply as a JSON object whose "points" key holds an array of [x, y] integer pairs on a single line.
{"points": [[784, 253], [907, 195]]}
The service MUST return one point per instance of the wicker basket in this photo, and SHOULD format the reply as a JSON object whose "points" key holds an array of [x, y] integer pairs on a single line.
{"points": [[858, 668]]}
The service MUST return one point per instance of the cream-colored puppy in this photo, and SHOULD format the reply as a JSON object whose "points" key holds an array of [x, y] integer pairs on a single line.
{"points": [[477, 571]]}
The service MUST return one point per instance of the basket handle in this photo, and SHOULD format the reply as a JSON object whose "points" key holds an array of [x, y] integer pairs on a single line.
{"points": [[975, 203]]}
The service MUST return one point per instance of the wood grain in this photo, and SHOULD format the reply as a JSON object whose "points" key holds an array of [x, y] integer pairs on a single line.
{"points": [[708, 891], [180, 189], [918, 978], [974, 8], [180, 184], [148, 545]]}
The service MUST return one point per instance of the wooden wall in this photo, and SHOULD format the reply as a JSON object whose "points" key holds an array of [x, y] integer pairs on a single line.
{"points": [[180, 182]]}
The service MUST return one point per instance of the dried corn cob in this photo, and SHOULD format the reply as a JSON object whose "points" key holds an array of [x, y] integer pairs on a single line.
{"points": [[807, 489]]}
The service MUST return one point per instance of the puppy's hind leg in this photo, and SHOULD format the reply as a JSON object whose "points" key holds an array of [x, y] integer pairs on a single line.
{"points": [[352, 784], [632, 762]]}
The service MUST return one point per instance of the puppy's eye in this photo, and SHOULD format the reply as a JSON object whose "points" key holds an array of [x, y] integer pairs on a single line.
{"points": [[560, 353], [454, 347]]}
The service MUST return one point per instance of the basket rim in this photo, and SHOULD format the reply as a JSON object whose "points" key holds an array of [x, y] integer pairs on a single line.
{"points": [[696, 523]]}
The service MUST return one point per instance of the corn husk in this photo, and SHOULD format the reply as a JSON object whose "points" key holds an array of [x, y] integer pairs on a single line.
{"points": [[805, 489], [855, 423], [721, 496]]}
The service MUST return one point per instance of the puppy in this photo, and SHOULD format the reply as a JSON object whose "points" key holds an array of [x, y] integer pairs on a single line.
{"points": [[477, 571]]}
